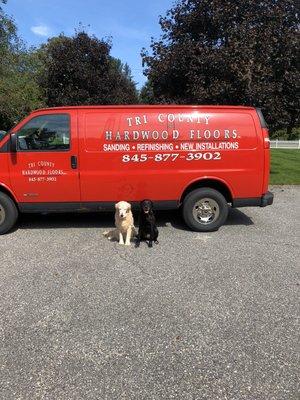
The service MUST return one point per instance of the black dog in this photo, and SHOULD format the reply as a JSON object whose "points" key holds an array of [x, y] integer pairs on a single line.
{"points": [[147, 227]]}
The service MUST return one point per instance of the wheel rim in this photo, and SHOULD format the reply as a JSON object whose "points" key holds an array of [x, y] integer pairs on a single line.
{"points": [[2, 214], [206, 211]]}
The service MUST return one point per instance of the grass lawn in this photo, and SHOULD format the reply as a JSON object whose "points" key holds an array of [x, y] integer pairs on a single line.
{"points": [[285, 167]]}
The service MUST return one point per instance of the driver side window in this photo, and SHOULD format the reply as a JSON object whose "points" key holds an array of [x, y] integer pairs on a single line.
{"points": [[45, 133]]}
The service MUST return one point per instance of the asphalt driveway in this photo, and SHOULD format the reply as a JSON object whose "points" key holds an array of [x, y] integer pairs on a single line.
{"points": [[199, 316]]}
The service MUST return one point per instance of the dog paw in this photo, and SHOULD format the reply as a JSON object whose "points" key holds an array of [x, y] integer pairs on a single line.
{"points": [[156, 241]]}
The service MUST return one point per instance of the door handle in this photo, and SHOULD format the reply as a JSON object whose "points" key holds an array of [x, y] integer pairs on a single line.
{"points": [[73, 162]]}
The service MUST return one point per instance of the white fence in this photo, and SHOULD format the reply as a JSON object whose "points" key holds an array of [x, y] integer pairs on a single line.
{"points": [[285, 144]]}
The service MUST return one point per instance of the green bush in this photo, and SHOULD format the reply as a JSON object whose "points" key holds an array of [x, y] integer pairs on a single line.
{"points": [[282, 134]]}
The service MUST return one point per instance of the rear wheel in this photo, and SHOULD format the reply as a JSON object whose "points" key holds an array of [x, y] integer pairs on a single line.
{"points": [[8, 213], [205, 210]]}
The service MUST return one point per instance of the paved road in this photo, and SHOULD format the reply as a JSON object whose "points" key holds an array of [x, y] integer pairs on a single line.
{"points": [[200, 316]]}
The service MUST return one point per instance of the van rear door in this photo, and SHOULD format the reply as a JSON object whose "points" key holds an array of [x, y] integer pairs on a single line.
{"points": [[44, 168], [266, 146]]}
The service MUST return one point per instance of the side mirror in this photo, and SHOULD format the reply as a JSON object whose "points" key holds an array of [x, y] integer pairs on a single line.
{"points": [[13, 143]]}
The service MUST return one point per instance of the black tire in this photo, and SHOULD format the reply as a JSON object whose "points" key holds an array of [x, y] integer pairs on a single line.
{"points": [[8, 213], [213, 201]]}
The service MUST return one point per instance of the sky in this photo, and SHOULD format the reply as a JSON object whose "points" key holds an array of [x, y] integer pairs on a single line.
{"points": [[130, 23]]}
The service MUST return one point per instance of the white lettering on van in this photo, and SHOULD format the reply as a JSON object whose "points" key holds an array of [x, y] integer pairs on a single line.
{"points": [[108, 135], [155, 135], [164, 135], [145, 134], [207, 118], [129, 119], [161, 118], [116, 147], [217, 134], [187, 146], [234, 134], [227, 134], [45, 164], [138, 121], [175, 134], [136, 135], [207, 134]]}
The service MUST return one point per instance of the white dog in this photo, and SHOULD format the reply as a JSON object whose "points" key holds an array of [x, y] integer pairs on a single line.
{"points": [[124, 224]]}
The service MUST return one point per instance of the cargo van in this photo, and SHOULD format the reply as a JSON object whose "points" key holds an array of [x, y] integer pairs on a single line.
{"points": [[203, 159]]}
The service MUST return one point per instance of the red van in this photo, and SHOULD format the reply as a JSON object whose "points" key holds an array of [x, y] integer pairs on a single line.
{"points": [[203, 158]]}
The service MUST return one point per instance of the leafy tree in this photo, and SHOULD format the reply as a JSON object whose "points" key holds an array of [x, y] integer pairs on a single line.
{"points": [[229, 52], [7, 27], [8, 38], [79, 70], [146, 94], [19, 89], [123, 90]]}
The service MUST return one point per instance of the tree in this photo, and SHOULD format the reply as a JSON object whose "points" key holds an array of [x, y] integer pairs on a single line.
{"points": [[146, 94], [19, 90], [79, 70], [123, 89], [229, 52], [7, 34]]}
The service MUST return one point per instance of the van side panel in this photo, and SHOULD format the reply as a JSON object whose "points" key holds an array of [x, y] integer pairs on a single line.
{"points": [[131, 154]]}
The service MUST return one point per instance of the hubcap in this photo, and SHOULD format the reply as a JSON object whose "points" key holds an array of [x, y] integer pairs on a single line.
{"points": [[2, 214], [206, 211]]}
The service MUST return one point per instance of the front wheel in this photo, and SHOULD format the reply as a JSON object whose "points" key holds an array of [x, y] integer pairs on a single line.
{"points": [[205, 210], [8, 213]]}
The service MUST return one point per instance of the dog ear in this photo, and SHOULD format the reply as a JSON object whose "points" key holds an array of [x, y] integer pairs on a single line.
{"points": [[116, 206], [129, 206]]}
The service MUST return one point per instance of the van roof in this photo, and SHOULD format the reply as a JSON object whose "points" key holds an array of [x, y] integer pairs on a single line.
{"points": [[141, 106]]}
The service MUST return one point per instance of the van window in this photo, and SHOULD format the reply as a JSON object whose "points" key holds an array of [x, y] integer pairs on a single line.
{"points": [[2, 134], [45, 133]]}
